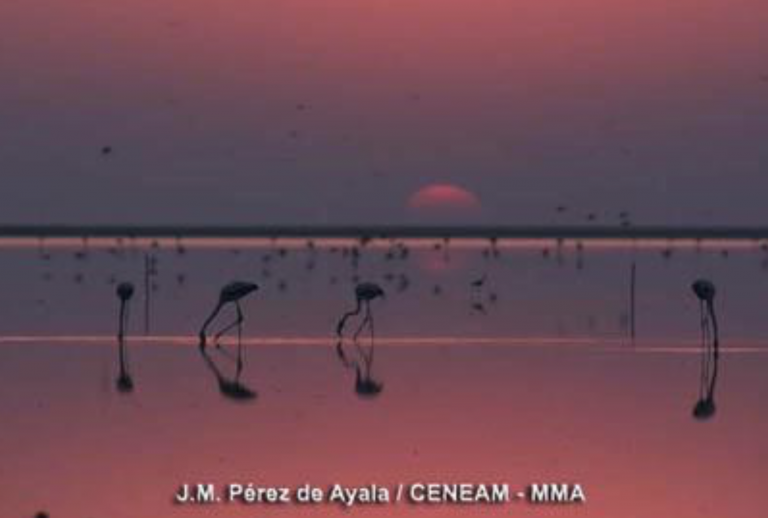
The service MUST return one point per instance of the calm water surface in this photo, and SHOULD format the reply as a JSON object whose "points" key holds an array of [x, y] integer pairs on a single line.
{"points": [[544, 386]]}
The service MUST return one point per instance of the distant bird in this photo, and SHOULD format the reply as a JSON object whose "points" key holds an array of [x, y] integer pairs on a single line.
{"points": [[403, 282], [705, 293], [124, 292], [479, 307], [232, 293], [479, 282], [365, 293], [106, 150]]}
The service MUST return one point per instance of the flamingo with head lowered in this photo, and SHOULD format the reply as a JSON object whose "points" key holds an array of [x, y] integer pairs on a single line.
{"points": [[365, 293], [231, 294]]}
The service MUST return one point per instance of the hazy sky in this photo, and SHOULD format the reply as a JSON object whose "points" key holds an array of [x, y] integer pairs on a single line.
{"points": [[337, 110]]}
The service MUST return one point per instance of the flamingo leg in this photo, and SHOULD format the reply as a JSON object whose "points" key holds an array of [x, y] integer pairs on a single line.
{"points": [[369, 359], [208, 322], [212, 366], [343, 356], [239, 341], [226, 354], [705, 351], [224, 330], [237, 322], [715, 351], [342, 322], [122, 355], [365, 321]]}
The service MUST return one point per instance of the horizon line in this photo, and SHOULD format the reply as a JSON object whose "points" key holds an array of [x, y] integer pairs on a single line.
{"points": [[371, 232]]}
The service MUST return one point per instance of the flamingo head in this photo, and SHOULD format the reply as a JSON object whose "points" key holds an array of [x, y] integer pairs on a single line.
{"points": [[704, 289], [125, 291]]}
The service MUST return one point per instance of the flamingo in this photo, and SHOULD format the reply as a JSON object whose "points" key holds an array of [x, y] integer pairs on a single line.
{"points": [[705, 292], [124, 292], [231, 293], [365, 385]]}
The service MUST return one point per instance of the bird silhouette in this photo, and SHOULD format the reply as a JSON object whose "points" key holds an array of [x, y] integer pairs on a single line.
{"points": [[124, 292], [710, 336], [365, 385], [478, 307], [479, 282], [232, 293]]}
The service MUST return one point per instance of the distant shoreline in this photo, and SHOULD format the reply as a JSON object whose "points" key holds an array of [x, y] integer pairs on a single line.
{"points": [[507, 232]]}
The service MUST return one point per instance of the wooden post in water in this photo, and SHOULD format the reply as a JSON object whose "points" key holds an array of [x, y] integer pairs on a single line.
{"points": [[632, 285], [147, 290]]}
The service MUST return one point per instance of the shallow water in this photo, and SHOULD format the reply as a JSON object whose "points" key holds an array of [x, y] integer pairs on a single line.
{"points": [[68, 288], [545, 386], [614, 420]]}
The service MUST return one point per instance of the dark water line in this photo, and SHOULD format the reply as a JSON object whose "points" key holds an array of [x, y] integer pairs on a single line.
{"points": [[387, 231]]}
